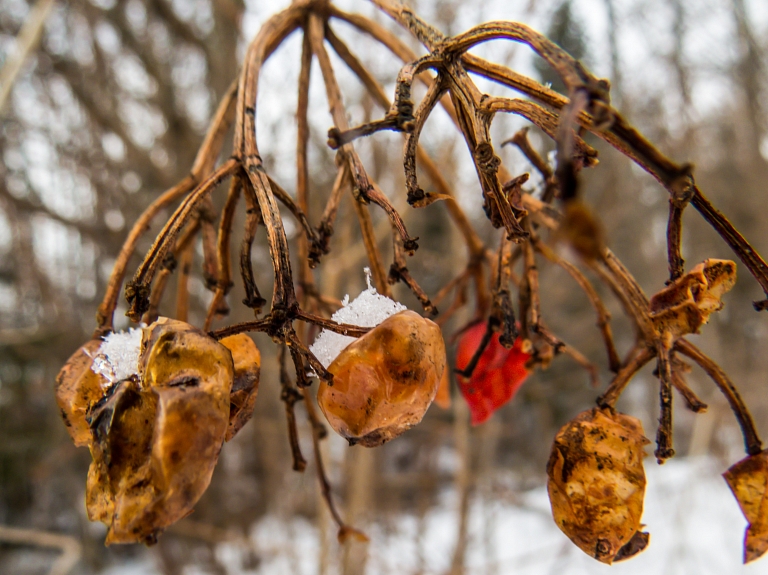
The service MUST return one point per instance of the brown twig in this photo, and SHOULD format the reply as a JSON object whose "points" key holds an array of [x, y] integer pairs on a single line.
{"points": [[169, 265], [224, 265], [638, 357], [752, 441], [137, 290], [182, 286], [674, 240], [318, 433], [603, 317], [253, 297], [290, 395], [664, 448]]}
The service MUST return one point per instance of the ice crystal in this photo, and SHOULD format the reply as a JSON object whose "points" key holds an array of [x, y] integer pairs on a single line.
{"points": [[368, 309], [118, 355]]}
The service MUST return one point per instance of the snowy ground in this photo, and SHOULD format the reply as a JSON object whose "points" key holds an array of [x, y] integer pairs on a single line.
{"points": [[695, 525]]}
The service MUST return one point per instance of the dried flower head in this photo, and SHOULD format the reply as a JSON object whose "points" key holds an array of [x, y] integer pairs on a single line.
{"points": [[78, 388]]}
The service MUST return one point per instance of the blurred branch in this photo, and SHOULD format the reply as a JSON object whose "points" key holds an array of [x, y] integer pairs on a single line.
{"points": [[70, 548], [26, 42]]}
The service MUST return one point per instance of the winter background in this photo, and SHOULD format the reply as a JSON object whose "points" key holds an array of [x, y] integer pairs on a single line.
{"points": [[108, 111]]}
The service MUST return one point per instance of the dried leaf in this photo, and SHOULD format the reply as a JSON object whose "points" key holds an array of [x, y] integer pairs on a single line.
{"points": [[77, 389], [497, 377], [686, 304], [157, 437], [242, 398], [597, 483], [748, 479], [384, 382]]}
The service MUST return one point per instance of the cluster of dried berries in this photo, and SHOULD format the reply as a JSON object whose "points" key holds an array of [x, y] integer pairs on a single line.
{"points": [[155, 431], [155, 436]]}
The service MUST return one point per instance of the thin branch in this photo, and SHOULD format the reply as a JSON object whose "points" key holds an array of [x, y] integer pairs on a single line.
{"points": [[638, 357], [26, 43], [290, 395], [752, 441], [70, 548]]}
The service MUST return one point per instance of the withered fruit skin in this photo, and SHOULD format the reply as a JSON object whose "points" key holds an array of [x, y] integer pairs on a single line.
{"points": [[748, 480], [596, 482], [384, 381], [78, 388], [242, 399], [157, 437], [686, 304]]}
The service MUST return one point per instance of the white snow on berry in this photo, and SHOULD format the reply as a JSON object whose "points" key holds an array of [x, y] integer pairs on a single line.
{"points": [[118, 356], [368, 309]]}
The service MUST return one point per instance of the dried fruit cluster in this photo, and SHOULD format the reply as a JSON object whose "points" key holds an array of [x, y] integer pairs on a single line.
{"points": [[155, 436]]}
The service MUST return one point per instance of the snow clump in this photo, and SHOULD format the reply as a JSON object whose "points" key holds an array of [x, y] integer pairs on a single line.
{"points": [[118, 356], [368, 309]]}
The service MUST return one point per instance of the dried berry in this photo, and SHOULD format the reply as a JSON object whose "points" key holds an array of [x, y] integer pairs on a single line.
{"points": [[748, 479], [597, 483], [78, 388], [157, 436], [497, 376], [686, 304], [242, 398], [384, 382]]}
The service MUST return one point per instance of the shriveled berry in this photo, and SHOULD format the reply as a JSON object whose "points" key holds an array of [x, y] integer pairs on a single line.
{"points": [[78, 388], [596, 483], [242, 399], [157, 436], [748, 479]]}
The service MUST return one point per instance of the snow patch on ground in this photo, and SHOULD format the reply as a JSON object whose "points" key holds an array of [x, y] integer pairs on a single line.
{"points": [[694, 522]]}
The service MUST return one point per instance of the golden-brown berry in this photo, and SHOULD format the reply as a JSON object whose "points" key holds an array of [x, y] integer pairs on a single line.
{"points": [[596, 483], [157, 436], [384, 382], [78, 388], [242, 399], [748, 479]]}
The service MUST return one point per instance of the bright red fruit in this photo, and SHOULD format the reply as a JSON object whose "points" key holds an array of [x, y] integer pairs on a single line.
{"points": [[498, 375]]}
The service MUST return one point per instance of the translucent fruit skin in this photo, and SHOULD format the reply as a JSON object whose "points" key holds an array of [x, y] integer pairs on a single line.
{"points": [[157, 437], [748, 480], [596, 483], [242, 399], [78, 388], [384, 382], [497, 377]]}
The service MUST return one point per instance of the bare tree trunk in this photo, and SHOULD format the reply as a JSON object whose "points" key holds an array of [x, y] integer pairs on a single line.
{"points": [[463, 485], [360, 481], [750, 72]]}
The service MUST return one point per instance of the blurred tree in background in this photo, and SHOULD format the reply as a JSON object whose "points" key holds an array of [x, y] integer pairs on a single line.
{"points": [[108, 111]]}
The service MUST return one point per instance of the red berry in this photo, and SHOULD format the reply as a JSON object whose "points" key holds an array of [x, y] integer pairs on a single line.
{"points": [[497, 376]]}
